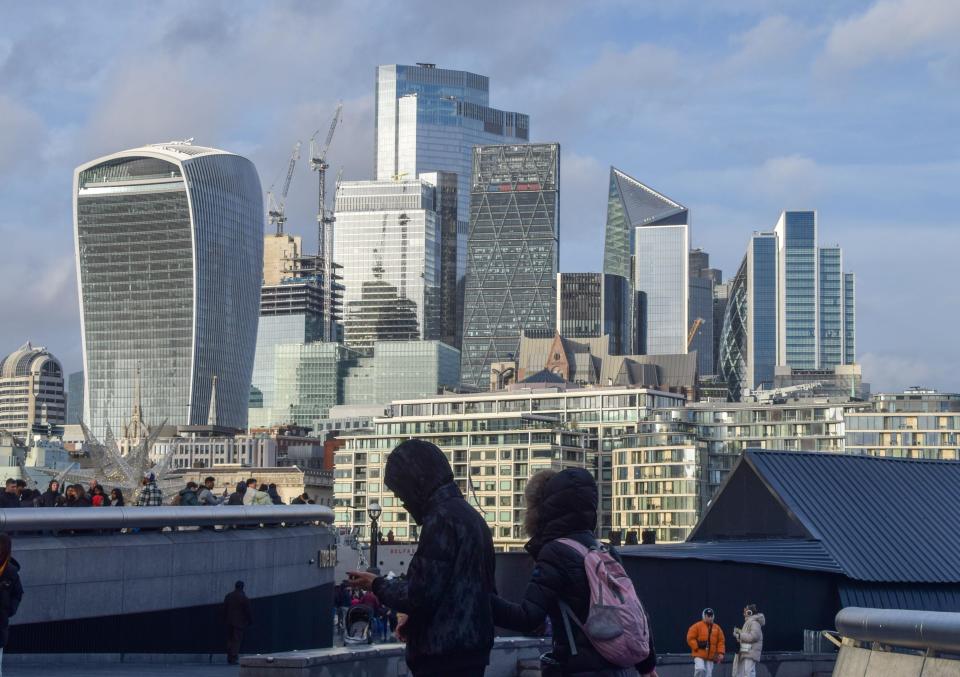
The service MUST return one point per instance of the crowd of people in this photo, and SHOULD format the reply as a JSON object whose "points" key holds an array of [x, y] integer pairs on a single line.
{"points": [[383, 620]]}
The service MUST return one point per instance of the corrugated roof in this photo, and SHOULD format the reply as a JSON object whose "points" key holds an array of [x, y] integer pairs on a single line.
{"points": [[791, 553], [900, 596], [881, 519]]}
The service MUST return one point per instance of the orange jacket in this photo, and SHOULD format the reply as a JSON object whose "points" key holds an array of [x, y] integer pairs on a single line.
{"points": [[698, 632]]}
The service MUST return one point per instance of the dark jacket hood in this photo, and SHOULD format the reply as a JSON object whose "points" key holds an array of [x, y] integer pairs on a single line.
{"points": [[569, 506], [415, 470]]}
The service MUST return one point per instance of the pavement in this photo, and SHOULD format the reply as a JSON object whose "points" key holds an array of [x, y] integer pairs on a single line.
{"points": [[122, 670]]}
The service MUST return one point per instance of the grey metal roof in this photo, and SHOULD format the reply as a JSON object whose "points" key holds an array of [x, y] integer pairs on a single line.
{"points": [[790, 553], [900, 596], [881, 519], [643, 204]]}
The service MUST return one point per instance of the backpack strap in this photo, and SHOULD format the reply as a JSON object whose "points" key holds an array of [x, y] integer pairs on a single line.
{"points": [[566, 613], [577, 546]]}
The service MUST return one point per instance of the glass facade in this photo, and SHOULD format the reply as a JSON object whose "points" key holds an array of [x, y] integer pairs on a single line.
{"points": [[308, 380], [512, 253], [849, 319], [389, 246], [400, 370], [594, 304], [701, 308], [831, 307], [732, 349], [452, 255], [663, 281], [917, 423], [762, 311], [75, 398], [166, 237], [798, 284]]}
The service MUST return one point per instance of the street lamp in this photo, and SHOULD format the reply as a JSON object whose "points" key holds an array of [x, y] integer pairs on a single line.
{"points": [[374, 510]]}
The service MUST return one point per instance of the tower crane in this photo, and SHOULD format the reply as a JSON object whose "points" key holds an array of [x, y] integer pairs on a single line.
{"points": [[325, 219], [275, 208], [694, 328]]}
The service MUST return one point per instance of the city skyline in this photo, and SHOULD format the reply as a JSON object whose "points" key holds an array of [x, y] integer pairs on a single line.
{"points": [[822, 144]]}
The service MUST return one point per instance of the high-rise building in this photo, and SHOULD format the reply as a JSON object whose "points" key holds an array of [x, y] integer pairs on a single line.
{"points": [[512, 253], [31, 390], [169, 241], [594, 304], [428, 120], [389, 246], [703, 279], [280, 254], [721, 294], [831, 307], [453, 256], [797, 288], [647, 241], [849, 319], [74, 398]]}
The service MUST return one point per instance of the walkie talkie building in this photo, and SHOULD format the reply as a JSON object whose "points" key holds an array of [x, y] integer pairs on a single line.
{"points": [[169, 247]]}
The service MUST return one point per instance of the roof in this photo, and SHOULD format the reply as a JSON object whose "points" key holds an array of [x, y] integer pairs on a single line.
{"points": [[792, 553], [880, 519], [543, 376], [643, 204], [23, 360]]}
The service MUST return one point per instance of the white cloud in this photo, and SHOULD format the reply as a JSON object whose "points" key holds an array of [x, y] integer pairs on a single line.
{"points": [[770, 43], [892, 29]]}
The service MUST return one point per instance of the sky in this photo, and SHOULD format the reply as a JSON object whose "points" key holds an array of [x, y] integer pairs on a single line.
{"points": [[738, 109]]}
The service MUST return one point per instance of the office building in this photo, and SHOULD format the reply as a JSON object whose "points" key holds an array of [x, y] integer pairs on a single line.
{"points": [[512, 253], [798, 304], [647, 241], [167, 237], [843, 380], [830, 301], [31, 391], [401, 370], [74, 398], [389, 246], [703, 280], [595, 304], [721, 293], [849, 319], [917, 423], [453, 254]]}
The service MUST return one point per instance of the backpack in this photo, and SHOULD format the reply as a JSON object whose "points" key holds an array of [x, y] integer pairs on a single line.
{"points": [[617, 625], [188, 498]]}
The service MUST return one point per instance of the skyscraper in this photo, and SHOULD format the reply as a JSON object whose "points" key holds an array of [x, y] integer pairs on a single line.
{"points": [[74, 398], [31, 390], [647, 241], [797, 282], [831, 307], [594, 304], [703, 279], [428, 120], [512, 253], [849, 319], [169, 246], [389, 245]]}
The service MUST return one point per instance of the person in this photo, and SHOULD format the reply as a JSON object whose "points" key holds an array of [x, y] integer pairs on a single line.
{"points": [[77, 497], [274, 495], [188, 495], [706, 642], [150, 494], [750, 638], [116, 498], [236, 498], [92, 488], [301, 499], [205, 494], [98, 499], [21, 488], [390, 536], [561, 505], [11, 590], [10, 498], [254, 496], [51, 498], [450, 579], [238, 616]]}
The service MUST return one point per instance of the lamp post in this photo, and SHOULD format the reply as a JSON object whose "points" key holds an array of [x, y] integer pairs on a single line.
{"points": [[374, 511]]}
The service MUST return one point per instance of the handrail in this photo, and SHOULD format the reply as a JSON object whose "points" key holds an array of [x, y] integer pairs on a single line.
{"points": [[935, 630], [131, 517]]}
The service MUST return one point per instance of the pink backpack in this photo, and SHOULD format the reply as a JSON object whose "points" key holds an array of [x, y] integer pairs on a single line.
{"points": [[616, 623]]}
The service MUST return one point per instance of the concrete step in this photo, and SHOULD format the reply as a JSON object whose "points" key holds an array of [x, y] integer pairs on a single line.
{"points": [[528, 667]]}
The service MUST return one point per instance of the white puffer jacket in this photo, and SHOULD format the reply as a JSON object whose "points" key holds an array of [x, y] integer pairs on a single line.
{"points": [[752, 634]]}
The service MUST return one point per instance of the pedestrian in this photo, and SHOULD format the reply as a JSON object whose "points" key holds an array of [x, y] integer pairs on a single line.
{"points": [[563, 505], [706, 642], [274, 495], [116, 498], [254, 496], [51, 498], [236, 498], [11, 590], [21, 488], [91, 488], [98, 499], [150, 493], [188, 495], [446, 593], [205, 493], [238, 616], [750, 638], [301, 499], [390, 536], [10, 498], [77, 497]]}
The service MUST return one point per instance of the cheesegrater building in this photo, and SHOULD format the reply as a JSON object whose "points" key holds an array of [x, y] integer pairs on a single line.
{"points": [[169, 247]]}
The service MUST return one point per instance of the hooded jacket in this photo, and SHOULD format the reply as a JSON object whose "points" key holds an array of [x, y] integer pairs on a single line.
{"points": [[752, 634], [711, 636], [50, 499], [569, 510], [11, 592], [450, 578]]}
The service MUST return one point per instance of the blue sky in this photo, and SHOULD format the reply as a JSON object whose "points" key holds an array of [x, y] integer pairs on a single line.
{"points": [[736, 109]]}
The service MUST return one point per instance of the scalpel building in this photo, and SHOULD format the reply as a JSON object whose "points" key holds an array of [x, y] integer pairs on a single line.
{"points": [[169, 247]]}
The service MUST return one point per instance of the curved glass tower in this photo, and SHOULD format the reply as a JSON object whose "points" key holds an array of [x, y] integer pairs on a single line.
{"points": [[169, 247]]}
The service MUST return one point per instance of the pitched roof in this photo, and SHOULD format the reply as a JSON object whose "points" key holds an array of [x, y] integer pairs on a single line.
{"points": [[792, 553], [880, 519]]}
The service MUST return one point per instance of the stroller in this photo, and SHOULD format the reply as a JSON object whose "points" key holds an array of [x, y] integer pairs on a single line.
{"points": [[358, 626]]}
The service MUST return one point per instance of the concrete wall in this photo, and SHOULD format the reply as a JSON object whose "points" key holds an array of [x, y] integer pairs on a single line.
{"points": [[857, 662]]}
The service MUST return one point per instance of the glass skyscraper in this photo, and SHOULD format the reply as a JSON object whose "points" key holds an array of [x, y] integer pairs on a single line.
{"points": [[831, 307], [169, 247], [647, 241], [428, 120], [849, 319], [512, 253], [594, 304], [797, 266], [388, 244]]}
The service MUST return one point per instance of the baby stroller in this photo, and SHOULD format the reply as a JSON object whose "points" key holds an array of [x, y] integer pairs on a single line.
{"points": [[358, 626]]}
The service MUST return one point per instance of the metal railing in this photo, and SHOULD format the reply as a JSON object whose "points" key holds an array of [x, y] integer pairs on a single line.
{"points": [[937, 631], [133, 517]]}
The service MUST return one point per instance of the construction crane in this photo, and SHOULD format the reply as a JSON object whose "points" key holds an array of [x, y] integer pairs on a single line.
{"points": [[275, 208], [694, 328], [325, 218]]}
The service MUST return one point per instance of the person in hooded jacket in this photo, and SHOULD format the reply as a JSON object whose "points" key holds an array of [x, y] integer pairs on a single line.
{"points": [[236, 498], [750, 637], [274, 495], [51, 498], [447, 591], [11, 590], [561, 505]]}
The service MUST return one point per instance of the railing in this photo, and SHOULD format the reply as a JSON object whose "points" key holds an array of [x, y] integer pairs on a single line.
{"points": [[53, 519], [933, 630]]}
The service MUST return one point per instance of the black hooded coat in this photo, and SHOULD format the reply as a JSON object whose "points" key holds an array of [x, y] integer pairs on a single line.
{"points": [[569, 510], [450, 579]]}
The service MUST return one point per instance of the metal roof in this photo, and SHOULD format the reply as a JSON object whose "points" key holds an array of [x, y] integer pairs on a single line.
{"points": [[642, 203], [881, 519], [790, 553], [900, 596]]}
